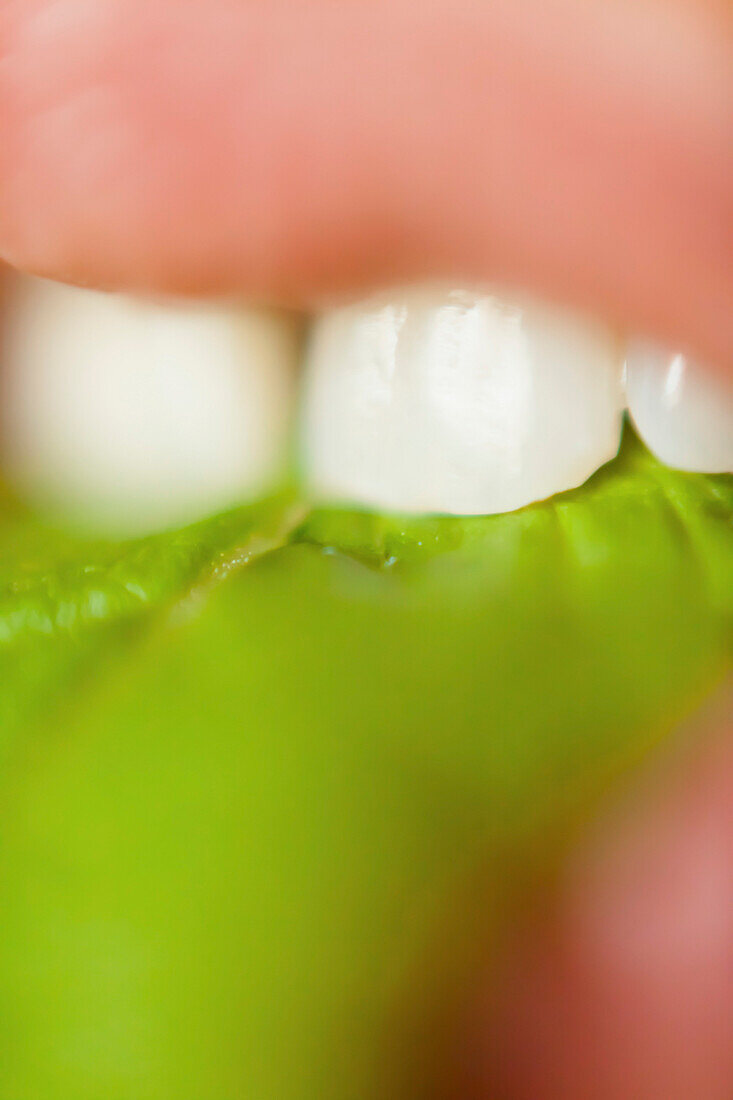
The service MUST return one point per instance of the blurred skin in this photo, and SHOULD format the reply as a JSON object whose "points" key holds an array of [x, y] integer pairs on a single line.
{"points": [[292, 148], [297, 150], [620, 983]]}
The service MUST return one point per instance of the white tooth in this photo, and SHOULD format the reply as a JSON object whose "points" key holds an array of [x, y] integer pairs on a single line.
{"points": [[142, 415], [682, 411], [435, 401]]}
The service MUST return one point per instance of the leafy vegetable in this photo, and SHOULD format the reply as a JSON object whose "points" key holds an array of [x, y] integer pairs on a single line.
{"points": [[252, 768]]}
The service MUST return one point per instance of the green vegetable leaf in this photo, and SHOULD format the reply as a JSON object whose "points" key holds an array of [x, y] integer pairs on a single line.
{"points": [[66, 602], [252, 769]]}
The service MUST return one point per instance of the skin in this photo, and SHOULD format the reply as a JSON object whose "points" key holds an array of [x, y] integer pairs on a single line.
{"points": [[295, 149], [307, 183], [618, 983]]}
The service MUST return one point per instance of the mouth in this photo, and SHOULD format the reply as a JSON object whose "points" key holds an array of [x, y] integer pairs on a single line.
{"points": [[490, 591]]}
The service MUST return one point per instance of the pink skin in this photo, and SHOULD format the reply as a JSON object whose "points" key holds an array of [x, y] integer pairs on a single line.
{"points": [[621, 984], [293, 148], [297, 150]]}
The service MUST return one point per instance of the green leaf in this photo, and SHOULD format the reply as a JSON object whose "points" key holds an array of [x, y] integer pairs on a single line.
{"points": [[248, 787], [67, 603]]}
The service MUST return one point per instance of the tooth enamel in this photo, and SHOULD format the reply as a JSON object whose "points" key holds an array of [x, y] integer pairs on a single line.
{"points": [[682, 411], [142, 415], [458, 402]]}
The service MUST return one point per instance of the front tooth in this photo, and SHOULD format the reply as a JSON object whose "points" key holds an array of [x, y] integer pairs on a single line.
{"points": [[682, 411], [141, 415], [433, 401]]}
